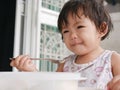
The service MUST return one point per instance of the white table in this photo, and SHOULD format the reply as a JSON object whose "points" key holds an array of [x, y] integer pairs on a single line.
{"points": [[39, 81]]}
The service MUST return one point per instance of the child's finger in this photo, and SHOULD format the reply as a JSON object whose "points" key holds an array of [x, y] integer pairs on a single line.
{"points": [[12, 63], [114, 83], [23, 60], [19, 59]]}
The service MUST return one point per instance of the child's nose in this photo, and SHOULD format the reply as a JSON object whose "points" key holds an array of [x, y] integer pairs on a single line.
{"points": [[73, 35]]}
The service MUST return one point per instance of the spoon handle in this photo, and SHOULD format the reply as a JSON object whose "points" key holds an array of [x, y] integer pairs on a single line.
{"points": [[48, 59]]}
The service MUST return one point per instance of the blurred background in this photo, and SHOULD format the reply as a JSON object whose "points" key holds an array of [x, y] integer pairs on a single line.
{"points": [[30, 27]]}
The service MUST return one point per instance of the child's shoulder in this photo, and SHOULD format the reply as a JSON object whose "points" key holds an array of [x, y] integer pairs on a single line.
{"points": [[115, 55], [115, 62]]}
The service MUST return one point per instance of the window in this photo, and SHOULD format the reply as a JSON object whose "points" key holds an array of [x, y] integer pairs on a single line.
{"points": [[51, 46], [39, 37], [54, 5]]}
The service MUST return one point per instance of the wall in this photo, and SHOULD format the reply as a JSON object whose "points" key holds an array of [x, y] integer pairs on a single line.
{"points": [[113, 41]]}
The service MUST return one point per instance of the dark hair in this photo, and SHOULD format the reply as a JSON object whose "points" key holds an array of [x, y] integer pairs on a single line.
{"points": [[92, 9]]}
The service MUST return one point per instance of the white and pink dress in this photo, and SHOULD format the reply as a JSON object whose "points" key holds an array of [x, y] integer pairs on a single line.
{"points": [[98, 72]]}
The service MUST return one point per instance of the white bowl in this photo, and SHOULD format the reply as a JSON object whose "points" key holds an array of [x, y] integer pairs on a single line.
{"points": [[39, 81], [88, 88]]}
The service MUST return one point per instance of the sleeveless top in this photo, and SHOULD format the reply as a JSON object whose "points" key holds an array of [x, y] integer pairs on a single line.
{"points": [[98, 72]]}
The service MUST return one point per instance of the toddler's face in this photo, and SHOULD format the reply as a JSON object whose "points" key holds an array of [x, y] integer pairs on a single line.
{"points": [[80, 35]]}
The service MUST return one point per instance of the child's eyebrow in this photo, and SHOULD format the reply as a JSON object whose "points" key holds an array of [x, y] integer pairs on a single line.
{"points": [[78, 22], [66, 26]]}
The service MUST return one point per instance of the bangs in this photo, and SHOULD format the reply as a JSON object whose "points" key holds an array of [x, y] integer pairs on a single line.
{"points": [[78, 10]]}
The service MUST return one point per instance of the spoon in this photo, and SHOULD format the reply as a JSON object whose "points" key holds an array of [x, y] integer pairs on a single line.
{"points": [[48, 59]]}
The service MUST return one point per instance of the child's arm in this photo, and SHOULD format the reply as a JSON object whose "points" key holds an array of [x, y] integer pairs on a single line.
{"points": [[114, 84], [23, 63], [115, 64], [60, 67]]}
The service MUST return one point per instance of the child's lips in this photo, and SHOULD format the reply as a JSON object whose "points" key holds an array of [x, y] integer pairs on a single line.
{"points": [[74, 44]]}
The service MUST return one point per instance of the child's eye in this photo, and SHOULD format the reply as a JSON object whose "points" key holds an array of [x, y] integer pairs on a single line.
{"points": [[80, 27], [65, 31]]}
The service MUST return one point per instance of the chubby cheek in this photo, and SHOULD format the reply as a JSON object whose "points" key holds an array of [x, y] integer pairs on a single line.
{"points": [[66, 43]]}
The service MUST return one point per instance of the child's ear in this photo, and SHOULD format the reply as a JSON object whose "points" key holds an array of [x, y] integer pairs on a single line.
{"points": [[103, 29]]}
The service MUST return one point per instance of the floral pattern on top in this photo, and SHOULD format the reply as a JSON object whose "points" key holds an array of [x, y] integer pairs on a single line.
{"points": [[98, 72]]}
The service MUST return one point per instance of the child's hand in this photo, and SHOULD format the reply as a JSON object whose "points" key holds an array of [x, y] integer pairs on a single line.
{"points": [[23, 63], [114, 84]]}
